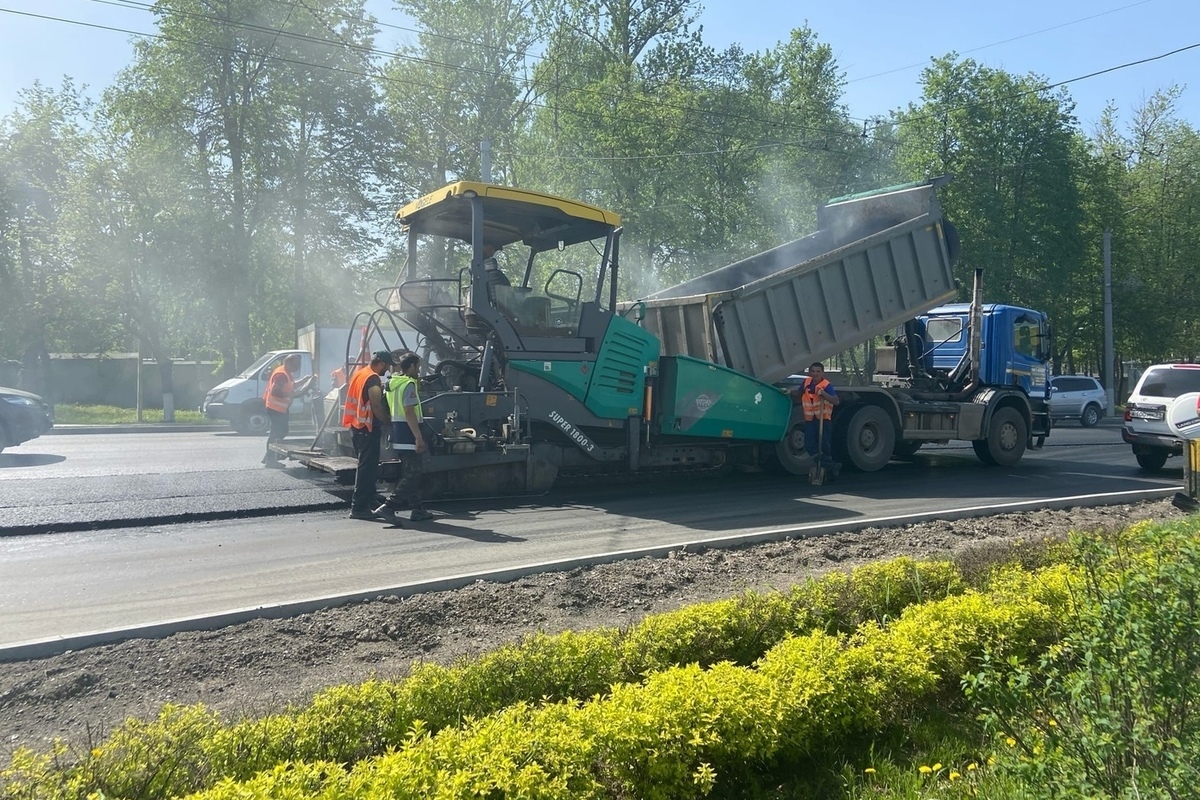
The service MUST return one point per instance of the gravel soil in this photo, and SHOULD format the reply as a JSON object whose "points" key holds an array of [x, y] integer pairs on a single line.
{"points": [[262, 666]]}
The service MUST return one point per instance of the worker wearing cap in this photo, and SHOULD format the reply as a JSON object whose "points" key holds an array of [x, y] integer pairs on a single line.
{"points": [[366, 415], [404, 401]]}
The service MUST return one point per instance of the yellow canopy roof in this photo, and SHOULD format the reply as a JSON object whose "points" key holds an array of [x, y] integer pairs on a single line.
{"points": [[510, 215]]}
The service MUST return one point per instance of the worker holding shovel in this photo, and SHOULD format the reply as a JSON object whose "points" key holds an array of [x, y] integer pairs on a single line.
{"points": [[818, 398]]}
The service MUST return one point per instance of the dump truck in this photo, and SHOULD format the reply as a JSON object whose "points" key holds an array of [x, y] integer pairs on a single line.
{"points": [[536, 369]]}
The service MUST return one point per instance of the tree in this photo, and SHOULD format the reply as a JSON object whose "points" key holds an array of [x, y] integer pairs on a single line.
{"points": [[1013, 152], [273, 109], [1160, 246], [42, 145], [462, 84]]}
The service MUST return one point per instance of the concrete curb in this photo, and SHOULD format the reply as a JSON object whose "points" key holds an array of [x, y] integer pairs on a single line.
{"points": [[136, 427], [42, 648]]}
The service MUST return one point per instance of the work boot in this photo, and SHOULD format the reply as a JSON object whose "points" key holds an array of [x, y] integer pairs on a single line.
{"points": [[420, 515], [377, 515], [386, 508]]}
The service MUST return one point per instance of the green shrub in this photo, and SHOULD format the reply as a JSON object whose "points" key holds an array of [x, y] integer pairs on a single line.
{"points": [[1111, 710], [347, 723], [687, 730]]}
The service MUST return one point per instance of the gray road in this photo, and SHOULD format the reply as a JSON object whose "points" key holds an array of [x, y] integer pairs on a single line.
{"points": [[83, 582]]}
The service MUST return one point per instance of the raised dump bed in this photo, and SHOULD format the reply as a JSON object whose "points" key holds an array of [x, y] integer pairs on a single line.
{"points": [[877, 260]]}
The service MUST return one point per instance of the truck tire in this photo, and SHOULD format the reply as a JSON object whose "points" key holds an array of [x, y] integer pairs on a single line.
{"points": [[1090, 416], [1152, 460], [1007, 436], [252, 421], [870, 438], [790, 452]]}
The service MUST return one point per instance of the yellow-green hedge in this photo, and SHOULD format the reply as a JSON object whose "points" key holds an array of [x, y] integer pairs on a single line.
{"points": [[186, 749], [685, 728]]}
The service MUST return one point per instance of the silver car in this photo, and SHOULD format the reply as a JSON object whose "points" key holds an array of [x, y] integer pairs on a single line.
{"points": [[1078, 397]]}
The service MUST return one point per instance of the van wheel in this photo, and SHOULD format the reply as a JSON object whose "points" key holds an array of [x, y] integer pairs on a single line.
{"points": [[870, 438], [1006, 439], [1152, 461], [252, 422], [1090, 416]]}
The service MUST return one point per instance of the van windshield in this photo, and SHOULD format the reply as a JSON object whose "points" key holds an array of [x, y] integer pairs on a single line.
{"points": [[252, 370], [1169, 382]]}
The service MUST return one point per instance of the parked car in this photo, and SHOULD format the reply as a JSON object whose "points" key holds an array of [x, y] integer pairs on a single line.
{"points": [[23, 416], [1146, 426], [1077, 397]]}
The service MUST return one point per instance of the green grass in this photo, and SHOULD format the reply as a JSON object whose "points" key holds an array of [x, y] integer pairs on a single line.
{"points": [[78, 414]]}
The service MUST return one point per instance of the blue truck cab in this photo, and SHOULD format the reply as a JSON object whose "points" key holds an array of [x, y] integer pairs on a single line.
{"points": [[1015, 345]]}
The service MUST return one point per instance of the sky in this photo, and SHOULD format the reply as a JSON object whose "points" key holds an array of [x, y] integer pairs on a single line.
{"points": [[880, 45]]}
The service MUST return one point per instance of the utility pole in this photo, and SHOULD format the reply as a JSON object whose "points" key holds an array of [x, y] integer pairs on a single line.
{"points": [[485, 160], [1108, 325]]}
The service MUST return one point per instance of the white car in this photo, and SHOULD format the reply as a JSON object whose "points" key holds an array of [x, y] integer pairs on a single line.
{"points": [[1146, 427], [1078, 397]]}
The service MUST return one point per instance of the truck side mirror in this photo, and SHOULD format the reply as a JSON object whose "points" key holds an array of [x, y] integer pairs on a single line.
{"points": [[1046, 343]]}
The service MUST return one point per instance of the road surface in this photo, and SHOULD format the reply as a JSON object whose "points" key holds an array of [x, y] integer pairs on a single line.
{"points": [[302, 550]]}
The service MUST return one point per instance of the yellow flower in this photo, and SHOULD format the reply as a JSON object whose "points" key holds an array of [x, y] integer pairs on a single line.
{"points": [[869, 770], [972, 766], [1052, 723], [936, 767], [1011, 742], [955, 776], [924, 770], [991, 760]]}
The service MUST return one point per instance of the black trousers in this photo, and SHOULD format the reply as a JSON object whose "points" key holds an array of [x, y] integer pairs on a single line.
{"points": [[366, 449], [279, 431], [407, 493]]}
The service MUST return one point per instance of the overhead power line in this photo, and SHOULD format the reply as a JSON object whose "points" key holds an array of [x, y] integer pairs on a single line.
{"points": [[597, 115], [649, 103], [1005, 41]]}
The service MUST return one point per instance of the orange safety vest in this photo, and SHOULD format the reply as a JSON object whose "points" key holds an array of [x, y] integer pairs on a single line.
{"points": [[814, 404], [278, 395], [357, 413]]}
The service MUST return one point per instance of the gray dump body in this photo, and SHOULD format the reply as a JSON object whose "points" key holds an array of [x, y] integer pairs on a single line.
{"points": [[877, 261]]}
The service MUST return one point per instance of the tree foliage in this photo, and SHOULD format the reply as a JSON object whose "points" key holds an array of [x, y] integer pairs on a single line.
{"points": [[239, 178]]}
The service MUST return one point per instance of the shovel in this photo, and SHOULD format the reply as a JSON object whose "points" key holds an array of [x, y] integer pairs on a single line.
{"points": [[816, 475]]}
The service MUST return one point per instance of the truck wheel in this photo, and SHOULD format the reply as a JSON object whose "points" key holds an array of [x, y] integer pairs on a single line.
{"points": [[1007, 436], [1090, 416], [790, 452], [906, 449], [252, 422], [870, 438], [1152, 460]]}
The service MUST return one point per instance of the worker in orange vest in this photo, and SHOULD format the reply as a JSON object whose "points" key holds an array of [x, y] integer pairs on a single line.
{"points": [[281, 388], [818, 397], [366, 415]]}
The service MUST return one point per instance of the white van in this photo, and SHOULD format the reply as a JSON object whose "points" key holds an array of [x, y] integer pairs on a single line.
{"points": [[240, 399]]}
